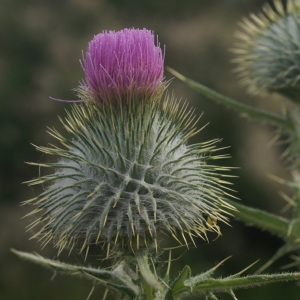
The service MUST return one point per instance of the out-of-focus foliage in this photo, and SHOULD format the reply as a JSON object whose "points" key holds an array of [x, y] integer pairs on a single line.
{"points": [[41, 43]]}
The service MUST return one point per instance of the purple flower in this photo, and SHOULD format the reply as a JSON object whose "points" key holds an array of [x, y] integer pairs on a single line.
{"points": [[121, 65]]}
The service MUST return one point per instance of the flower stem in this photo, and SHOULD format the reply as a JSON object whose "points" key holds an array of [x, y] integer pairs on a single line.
{"points": [[150, 282]]}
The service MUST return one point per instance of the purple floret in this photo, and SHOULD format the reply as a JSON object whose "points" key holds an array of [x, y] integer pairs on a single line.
{"points": [[123, 64]]}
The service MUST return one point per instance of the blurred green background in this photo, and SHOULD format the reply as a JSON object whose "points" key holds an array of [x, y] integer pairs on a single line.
{"points": [[41, 44]]}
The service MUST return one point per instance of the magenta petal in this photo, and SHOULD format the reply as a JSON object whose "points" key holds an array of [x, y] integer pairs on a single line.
{"points": [[123, 64]]}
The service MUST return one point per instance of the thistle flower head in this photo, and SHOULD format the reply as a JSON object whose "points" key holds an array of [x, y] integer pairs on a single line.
{"points": [[121, 65], [125, 175], [268, 52]]}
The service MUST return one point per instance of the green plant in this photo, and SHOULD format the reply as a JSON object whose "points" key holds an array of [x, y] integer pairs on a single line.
{"points": [[126, 176]]}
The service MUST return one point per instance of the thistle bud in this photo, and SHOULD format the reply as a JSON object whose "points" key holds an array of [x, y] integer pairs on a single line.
{"points": [[268, 55]]}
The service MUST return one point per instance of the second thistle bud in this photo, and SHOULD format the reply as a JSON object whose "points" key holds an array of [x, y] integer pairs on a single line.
{"points": [[268, 52]]}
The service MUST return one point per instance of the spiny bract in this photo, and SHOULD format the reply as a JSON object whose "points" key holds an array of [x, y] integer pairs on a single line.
{"points": [[268, 51], [125, 174]]}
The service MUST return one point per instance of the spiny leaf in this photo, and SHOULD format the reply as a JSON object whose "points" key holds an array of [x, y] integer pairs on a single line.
{"points": [[116, 278], [218, 285], [178, 283], [210, 285], [239, 106], [264, 220]]}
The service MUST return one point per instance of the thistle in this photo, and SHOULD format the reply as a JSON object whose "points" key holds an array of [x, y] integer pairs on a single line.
{"points": [[268, 56], [125, 173]]}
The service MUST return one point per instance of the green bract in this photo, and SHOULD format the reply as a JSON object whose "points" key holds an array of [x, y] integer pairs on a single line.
{"points": [[125, 174]]}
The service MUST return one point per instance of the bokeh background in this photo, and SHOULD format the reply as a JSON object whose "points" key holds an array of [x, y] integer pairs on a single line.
{"points": [[41, 44]]}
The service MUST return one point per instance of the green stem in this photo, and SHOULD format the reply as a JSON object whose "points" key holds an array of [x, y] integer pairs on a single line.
{"points": [[148, 291], [250, 111], [150, 282]]}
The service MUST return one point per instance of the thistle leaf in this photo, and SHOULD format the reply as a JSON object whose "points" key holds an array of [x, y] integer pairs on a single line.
{"points": [[261, 219], [231, 103], [210, 286], [224, 285], [116, 278], [178, 283]]}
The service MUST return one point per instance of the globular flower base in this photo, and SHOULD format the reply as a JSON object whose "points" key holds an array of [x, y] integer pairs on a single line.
{"points": [[268, 58], [124, 174]]}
